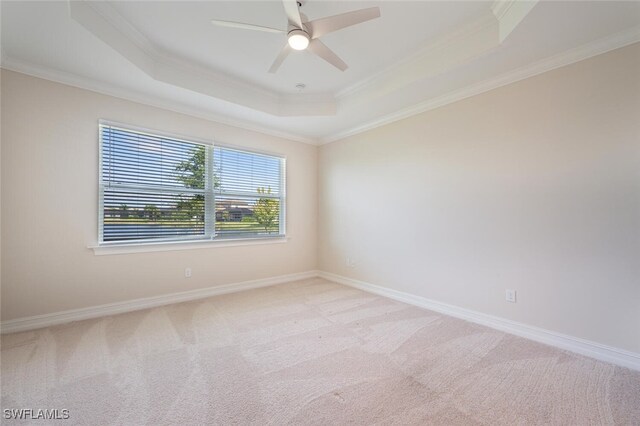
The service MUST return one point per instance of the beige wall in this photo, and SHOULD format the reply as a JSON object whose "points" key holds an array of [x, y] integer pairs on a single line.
{"points": [[534, 186], [49, 205]]}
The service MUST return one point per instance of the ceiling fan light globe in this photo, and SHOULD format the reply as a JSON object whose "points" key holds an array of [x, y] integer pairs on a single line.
{"points": [[298, 40]]}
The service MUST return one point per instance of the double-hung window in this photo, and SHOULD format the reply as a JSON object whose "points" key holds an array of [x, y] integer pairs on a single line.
{"points": [[156, 188]]}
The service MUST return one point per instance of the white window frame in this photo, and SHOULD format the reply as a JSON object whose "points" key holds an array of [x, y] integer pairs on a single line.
{"points": [[186, 242]]}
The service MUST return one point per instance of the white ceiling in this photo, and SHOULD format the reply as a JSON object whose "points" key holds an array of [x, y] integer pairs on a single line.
{"points": [[416, 56], [247, 55]]}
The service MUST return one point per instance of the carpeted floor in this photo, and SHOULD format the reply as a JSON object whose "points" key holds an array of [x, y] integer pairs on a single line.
{"points": [[309, 352]]}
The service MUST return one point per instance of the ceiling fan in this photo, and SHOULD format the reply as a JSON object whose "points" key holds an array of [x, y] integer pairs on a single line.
{"points": [[304, 34]]}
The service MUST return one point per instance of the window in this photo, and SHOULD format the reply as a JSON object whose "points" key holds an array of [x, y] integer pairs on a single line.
{"points": [[161, 188]]}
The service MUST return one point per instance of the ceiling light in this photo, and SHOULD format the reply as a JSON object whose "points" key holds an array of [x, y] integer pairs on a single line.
{"points": [[298, 39]]}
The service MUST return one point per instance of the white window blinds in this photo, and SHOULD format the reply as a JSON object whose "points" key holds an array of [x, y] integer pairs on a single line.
{"points": [[248, 192], [159, 188]]}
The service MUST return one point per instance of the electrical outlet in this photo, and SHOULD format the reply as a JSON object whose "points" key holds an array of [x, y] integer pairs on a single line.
{"points": [[187, 272], [510, 295], [350, 262]]}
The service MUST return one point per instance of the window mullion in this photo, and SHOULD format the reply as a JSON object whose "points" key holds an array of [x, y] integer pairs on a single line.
{"points": [[283, 190], [209, 198]]}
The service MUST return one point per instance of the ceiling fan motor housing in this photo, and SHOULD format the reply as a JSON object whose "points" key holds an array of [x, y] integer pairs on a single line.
{"points": [[304, 34], [298, 39]]}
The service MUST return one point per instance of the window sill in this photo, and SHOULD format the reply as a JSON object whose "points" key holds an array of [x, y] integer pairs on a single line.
{"points": [[101, 250]]}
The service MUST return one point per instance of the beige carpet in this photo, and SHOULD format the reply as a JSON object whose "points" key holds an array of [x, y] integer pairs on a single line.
{"points": [[309, 352]]}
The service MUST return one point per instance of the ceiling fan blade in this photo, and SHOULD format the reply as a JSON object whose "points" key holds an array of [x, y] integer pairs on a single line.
{"points": [[244, 26], [320, 49], [293, 13], [281, 57], [322, 26]]}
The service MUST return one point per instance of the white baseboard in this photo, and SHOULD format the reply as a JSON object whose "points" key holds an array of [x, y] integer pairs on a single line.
{"points": [[574, 344], [46, 320]]}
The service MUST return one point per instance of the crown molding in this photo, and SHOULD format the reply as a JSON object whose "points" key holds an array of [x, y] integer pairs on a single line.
{"points": [[598, 47], [69, 79], [451, 50], [501, 7], [103, 21], [510, 13], [445, 51]]}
